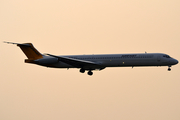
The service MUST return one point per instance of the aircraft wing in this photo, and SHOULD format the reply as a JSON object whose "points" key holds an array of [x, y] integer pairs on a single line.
{"points": [[77, 63]]}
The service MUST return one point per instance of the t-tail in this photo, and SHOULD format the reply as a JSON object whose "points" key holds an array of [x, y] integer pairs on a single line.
{"points": [[30, 51]]}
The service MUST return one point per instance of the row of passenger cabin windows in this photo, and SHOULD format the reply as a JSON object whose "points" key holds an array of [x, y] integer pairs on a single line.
{"points": [[142, 56]]}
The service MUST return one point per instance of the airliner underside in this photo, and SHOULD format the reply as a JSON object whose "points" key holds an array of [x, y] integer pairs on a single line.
{"points": [[95, 62]]}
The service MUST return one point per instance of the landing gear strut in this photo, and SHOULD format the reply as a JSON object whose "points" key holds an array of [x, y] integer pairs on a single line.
{"points": [[90, 72], [169, 69]]}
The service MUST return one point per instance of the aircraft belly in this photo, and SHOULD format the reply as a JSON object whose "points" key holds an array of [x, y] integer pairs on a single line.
{"points": [[62, 65]]}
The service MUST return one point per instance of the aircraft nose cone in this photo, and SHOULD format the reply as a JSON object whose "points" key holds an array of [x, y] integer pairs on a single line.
{"points": [[175, 61]]}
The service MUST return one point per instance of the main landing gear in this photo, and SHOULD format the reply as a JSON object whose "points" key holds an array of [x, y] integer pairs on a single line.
{"points": [[169, 68], [82, 70], [89, 72]]}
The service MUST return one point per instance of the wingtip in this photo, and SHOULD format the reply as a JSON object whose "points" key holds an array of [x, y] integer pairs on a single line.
{"points": [[45, 53], [5, 42]]}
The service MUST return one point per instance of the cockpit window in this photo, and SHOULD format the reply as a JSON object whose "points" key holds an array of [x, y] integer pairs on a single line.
{"points": [[166, 56]]}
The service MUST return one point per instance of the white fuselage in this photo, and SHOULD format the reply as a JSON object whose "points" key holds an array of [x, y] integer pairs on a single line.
{"points": [[116, 60]]}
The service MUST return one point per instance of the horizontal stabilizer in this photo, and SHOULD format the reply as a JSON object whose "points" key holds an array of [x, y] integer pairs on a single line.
{"points": [[18, 44]]}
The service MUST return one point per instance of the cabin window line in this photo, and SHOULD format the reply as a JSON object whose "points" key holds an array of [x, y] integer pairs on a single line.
{"points": [[122, 57]]}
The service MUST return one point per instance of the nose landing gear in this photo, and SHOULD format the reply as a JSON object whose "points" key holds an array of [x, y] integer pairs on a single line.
{"points": [[169, 68]]}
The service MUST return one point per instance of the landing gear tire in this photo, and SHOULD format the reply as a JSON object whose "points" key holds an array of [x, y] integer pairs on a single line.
{"points": [[90, 73], [82, 70], [169, 69]]}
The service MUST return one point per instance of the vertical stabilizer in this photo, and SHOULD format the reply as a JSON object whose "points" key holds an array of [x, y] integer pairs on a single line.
{"points": [[29, 50]]}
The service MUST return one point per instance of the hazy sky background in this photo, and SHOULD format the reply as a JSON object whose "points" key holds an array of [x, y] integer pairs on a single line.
{"points": [[30, 92]]}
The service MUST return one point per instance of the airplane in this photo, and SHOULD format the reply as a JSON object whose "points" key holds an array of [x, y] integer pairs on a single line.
{"points": [[94, 62]]}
